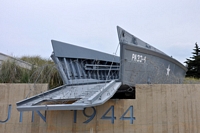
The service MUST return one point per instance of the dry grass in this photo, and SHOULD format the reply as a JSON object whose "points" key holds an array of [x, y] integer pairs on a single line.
{"points": [[191, 81], [43, 71]]}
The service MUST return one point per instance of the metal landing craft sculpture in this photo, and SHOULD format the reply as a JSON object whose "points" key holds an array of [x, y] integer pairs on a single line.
{"points": [[91, 77]]}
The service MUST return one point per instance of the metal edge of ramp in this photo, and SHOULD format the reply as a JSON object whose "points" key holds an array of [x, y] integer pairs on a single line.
{"points": [[85, 96]]}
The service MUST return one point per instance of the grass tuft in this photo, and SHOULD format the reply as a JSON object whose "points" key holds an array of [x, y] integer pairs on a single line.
{"points": [[43, 71], [190, 80]]}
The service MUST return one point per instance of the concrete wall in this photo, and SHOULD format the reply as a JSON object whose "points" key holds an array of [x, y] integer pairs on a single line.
{"points": [[156, 109]]}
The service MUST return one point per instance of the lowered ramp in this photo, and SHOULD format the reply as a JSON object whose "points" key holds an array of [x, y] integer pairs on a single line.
{"points": [[76, 97], [90, 79]]}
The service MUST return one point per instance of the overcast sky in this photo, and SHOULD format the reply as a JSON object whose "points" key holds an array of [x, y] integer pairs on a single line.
{"points": [[27, 27]]}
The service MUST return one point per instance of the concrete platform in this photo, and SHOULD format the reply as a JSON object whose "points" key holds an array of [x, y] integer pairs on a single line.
{"points": [[157, 108]]}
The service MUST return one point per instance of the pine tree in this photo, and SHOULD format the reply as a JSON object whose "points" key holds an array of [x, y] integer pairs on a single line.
{"points": [[193, 64]]}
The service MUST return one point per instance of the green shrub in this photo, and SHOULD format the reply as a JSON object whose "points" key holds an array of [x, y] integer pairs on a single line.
{"points": [[10, 72], [43, 71]]}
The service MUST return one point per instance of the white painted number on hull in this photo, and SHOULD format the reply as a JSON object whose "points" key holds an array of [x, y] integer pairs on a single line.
{"points": [[138, 58]]}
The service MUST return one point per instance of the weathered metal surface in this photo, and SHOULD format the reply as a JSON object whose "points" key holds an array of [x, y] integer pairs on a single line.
{"points": [[89, 77], [146, 65], [80, 65], [61, 49], [126, 37], [60, 98]]}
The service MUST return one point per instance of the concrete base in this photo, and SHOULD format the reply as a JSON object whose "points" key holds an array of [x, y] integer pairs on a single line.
{"points": [[157, 108]]}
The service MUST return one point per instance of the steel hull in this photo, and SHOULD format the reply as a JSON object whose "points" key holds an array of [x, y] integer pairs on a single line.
{"points": [[143, 66]]}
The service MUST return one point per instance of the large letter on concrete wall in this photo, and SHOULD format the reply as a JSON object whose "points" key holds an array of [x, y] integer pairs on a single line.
{"points": [[9, 114], [32, 119]]}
